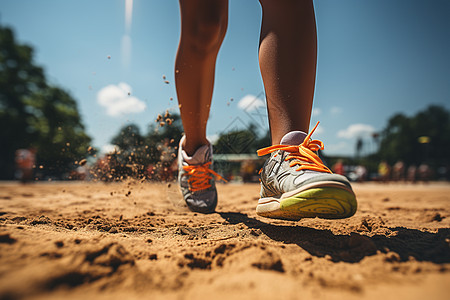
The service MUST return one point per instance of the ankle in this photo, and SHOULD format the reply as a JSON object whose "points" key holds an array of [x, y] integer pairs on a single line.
{"points": [[190, 147]]}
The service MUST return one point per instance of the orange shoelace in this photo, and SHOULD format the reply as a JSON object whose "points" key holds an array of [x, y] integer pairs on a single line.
{"points": [[200, 175], [303, 154]]}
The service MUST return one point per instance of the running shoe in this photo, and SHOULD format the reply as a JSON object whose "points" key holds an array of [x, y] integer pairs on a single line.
{"points": [[196, 179], [296, 184]]}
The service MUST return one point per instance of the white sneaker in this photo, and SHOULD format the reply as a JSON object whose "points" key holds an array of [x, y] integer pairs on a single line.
{"points": [[296, 184], [196, 179]]}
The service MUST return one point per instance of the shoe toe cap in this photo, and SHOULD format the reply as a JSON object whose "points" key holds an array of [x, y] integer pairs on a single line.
{"points": [[204, 202]]}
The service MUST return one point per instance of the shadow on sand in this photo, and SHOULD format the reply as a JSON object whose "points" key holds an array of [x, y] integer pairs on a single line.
{"points": [[423, 246]]}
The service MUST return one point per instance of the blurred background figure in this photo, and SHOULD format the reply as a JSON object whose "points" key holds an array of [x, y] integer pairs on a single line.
{"points": [[398, 171], [248, 171], [424, 172], [338, 167], [361, 173], [411, 174], [443, 173], [384, 171], [25, 162]]}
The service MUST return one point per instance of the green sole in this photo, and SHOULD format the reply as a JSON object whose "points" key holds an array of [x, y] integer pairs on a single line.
{"points": [[325, 203]]}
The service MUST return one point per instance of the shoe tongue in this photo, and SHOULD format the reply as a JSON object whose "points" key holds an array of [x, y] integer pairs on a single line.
{"points": [[201, 156], [293, 138]]}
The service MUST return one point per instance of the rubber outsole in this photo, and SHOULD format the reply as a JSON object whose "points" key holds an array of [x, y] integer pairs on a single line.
{"points": [[321, 202]]}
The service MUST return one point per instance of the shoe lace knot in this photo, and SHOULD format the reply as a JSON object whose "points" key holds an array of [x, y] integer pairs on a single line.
{"points": [[303, 155], [200, 176]]}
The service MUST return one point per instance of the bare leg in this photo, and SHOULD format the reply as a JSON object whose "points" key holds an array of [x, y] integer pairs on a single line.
{"points": [[203, 28], [287, 57]]}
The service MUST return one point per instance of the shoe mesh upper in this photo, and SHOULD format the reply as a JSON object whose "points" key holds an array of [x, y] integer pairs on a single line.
{"points": [[291, 166]]}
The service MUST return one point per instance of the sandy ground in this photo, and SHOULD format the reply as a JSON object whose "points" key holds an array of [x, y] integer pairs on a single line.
{"points": [[137, 240]]}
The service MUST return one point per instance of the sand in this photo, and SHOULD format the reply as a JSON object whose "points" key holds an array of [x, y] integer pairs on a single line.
{"points": [[136, 240]]}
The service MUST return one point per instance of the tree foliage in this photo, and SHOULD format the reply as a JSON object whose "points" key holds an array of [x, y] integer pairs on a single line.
{"points": [[158, 132], [401, 140], [143, 148], [158, 147], [137, 151], [241, 141], [34, 114]]}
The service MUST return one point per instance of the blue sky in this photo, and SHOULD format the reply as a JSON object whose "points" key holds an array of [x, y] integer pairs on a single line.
{"points": [[375, 58]]}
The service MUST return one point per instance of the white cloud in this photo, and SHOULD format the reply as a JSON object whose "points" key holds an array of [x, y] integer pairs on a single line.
{"points": [[117, 100], [108, 148], [316, 112], [250, 103], [335, 110], [356, 130], [341, 148], [213, 138], [319, 130]]}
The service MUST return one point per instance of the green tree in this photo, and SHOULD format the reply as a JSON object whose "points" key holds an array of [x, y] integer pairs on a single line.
{"points": [[131, 157], [168, 130], [241, 141], [34, 114], [129, 138], [19, 79], [167, 126], [401, 140], [61, 137], [137, 151]]}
